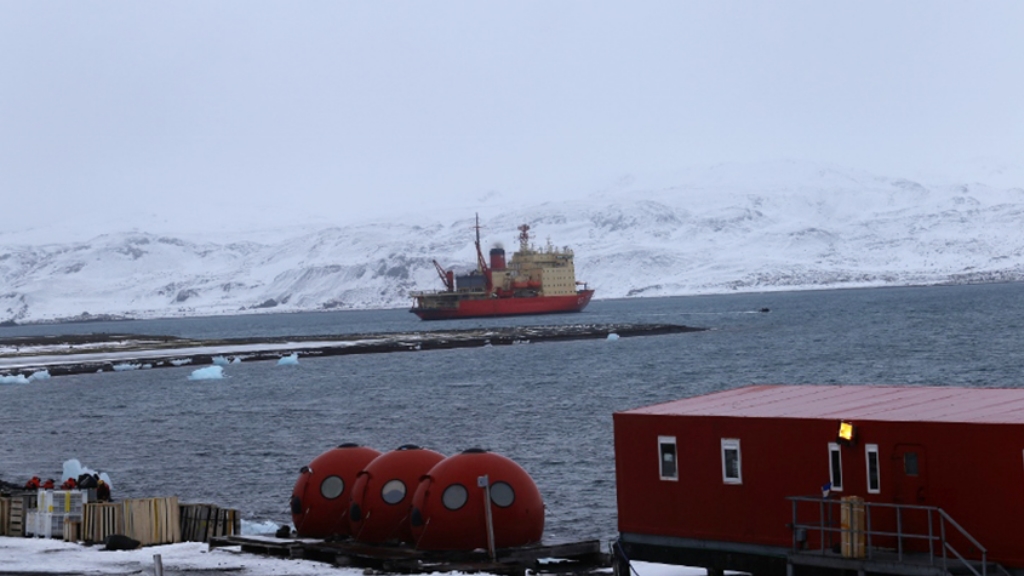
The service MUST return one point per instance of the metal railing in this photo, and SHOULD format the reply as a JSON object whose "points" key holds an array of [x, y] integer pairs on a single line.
{"points": [[935, 536]]}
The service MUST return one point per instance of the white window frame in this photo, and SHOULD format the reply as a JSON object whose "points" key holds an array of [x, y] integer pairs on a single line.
{"points": [[835, 448], [665, 441], [870, 449], [732, 444]]}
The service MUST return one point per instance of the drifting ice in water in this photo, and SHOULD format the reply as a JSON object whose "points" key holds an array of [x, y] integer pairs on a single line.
{"points": [[21, 379], [208, 373], [289, 360], [220, 361]]}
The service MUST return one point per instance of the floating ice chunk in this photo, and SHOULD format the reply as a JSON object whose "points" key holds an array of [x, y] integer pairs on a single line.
{"points": [[73, 469], [208, 373], [181, 361], [250, 527], [16, 379], [40, 375], [220, 361], [291, 360], [126, 366], [612, 337], [236, 360]]}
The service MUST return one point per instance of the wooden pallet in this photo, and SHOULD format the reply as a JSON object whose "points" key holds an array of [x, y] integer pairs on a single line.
{"points": [[574, 557]]}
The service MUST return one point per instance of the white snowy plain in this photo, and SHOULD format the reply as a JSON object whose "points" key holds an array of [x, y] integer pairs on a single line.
{"points": [[783, 225], [48, 556]]}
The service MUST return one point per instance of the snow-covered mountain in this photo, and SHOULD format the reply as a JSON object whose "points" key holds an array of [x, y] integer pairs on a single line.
{"points": [[776, 226]]}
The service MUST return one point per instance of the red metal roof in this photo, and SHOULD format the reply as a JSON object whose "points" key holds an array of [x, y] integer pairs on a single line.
{"points": [[884, 403]]}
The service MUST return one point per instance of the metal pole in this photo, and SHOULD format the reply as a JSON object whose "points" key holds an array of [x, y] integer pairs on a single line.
{"points": [[942, 530], [899, 534], [821, 521], [793, 503], [158, 565], [867, 519], [484, 482], [931, 539]]}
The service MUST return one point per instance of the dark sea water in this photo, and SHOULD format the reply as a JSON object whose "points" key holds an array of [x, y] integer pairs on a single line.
{"points": [[239, 442]]}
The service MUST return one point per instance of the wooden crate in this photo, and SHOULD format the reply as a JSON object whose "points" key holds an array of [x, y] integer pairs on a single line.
{"points": [[5, 515], [202, 522], [102, 519], [153, 520], [72, 530], [16, 519]]}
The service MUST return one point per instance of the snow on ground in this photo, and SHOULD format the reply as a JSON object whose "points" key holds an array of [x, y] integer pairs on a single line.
{"points": [[44, 556], [26, 358]]}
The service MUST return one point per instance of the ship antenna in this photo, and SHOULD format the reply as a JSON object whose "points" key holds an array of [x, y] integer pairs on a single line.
{"points": [[524, 238]]}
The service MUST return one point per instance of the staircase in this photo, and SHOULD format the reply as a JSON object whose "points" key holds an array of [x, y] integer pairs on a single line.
{"points": [[879, 538]]}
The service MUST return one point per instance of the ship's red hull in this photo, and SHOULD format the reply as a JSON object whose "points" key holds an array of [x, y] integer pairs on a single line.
{"points": [[486, 307]]}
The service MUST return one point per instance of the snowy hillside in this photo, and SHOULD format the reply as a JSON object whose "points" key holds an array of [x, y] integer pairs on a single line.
{"points": [[778, 226]]}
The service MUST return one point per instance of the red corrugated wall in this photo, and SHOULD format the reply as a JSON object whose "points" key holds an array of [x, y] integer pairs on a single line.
{"points": [[973, 471]]}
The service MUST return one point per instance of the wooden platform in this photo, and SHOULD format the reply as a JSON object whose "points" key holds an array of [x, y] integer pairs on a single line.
{"points": [[569, 558]]}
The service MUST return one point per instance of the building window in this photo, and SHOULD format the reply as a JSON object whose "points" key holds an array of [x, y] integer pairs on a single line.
{"points": [[910, 463], [731, 462], [669, 467], [874, 483], [835, 467]]}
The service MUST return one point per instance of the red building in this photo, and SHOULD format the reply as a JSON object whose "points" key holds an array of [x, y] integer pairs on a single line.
{"points": [[753, 479]]}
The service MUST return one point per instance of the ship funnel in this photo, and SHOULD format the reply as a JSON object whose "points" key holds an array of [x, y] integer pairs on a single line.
{"points": [[497, 258]]}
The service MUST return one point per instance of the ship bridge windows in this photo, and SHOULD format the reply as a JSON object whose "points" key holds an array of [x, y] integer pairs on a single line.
{"points": [[669, 467]]}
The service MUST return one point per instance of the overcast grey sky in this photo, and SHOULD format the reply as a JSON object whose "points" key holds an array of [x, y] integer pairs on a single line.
{"points": [[322, 108]]}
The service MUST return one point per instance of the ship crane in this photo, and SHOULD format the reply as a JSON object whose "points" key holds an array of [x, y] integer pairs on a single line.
{"points": [[447, 276]]}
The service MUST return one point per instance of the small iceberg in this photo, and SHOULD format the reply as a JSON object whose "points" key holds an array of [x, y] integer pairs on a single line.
{"points": [[208, 373], [612, 337], [220, 361], [40, 375], [291, 360], [16, 379]]}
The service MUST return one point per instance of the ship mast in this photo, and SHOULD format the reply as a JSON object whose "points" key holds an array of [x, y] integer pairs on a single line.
{"points": [[524, 238], [481, 264]]}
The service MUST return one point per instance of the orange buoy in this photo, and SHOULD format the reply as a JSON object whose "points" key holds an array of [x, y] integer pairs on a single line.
{"points": [[383, 491], [449, 511], [321, 496]]}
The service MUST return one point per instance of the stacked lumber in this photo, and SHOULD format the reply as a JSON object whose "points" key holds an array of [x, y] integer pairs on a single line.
{"points": [[5, 515], [102, 519], [202, 522], [148, 520], [152, 520]]}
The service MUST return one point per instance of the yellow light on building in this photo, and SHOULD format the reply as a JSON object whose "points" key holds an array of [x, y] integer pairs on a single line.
{"points": [[846, 431]]}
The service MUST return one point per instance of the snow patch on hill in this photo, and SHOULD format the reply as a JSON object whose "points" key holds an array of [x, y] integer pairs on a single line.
{"points": [[770, 226]]}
